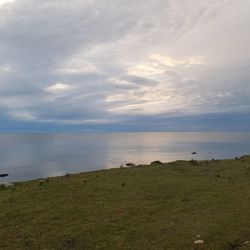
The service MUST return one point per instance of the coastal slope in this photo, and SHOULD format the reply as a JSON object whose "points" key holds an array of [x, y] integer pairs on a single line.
{"points": [[156, 206]]}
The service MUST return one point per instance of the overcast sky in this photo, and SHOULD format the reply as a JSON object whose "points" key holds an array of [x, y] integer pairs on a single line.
{"points": [[102, 65]]}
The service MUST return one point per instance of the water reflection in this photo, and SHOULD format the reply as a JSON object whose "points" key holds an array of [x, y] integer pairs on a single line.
{"points": [[41, 155]]}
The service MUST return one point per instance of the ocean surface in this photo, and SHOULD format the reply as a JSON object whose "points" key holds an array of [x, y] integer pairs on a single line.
{"points": [[31, 156]]}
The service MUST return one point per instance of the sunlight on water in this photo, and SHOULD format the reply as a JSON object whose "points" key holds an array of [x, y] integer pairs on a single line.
{"points": [[40, 155]]}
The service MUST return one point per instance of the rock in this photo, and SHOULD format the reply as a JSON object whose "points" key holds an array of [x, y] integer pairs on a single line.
{"points": [[199, 244], [6, 184], [130, 164], [4, 175]]}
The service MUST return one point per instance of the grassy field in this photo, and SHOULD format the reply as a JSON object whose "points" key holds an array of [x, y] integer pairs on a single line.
{"points": [[159, 206]]}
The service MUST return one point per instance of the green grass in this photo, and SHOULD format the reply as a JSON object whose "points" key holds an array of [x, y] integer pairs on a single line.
{"points": [[160, 206]]}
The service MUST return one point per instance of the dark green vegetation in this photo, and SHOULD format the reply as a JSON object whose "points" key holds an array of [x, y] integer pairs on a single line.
{"points": [[160, 206]]}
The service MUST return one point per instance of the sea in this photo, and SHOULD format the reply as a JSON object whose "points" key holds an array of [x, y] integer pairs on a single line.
{"points": [[33, 156]]}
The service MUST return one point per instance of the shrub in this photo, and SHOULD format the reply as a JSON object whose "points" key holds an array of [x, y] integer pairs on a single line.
{"points": [[156, 162]]}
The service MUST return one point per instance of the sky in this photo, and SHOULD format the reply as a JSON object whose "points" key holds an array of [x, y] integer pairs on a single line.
{"points": [[124, 65]]}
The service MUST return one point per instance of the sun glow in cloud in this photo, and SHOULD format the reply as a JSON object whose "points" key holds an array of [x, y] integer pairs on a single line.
{"points": [[58, 88], [158, 64], [3, 2], [146, 69], [197, 60], [170, 62]]}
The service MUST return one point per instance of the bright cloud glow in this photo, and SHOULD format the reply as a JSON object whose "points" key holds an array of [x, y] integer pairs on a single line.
{"points": [[3, 2], [168, 61], [197, 60], [146, 69], [58, 88]]}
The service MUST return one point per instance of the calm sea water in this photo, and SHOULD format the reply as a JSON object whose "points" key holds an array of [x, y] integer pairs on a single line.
{"points": [[32, 156]]}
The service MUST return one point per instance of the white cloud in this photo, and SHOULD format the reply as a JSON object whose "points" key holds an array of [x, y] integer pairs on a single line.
{"points": [[168, 61], [5, 68], [58, 88], [4, 2], [76, 65], [197, 60]]}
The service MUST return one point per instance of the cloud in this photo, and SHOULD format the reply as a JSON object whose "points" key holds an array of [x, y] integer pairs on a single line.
{"points": [[58, 88], [6, 2], [5, 68], [22, 115], [86, 62]]}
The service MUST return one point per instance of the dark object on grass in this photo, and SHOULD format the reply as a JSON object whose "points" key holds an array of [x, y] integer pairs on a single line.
{"points": [[67, 175], [218, 176], [40, 182], [4, 175], [123, 184], [193, 153], [130, 164], [97, 176], [84, 180], [156, 162], [236, 158], [233, 245]]}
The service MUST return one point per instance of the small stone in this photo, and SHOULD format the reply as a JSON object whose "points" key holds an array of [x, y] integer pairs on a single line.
{"points": [[199, 242]]}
